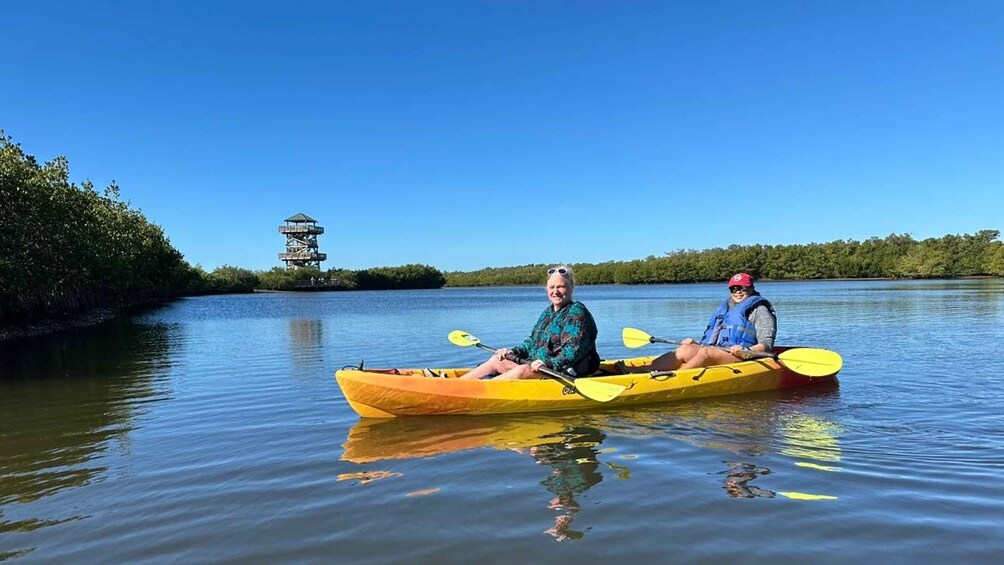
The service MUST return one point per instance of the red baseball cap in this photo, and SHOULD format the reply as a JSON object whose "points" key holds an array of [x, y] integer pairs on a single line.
{"points": [[741, 279]]}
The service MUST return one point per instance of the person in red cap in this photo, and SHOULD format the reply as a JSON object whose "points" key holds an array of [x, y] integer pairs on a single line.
{"points": [[744, 322]]}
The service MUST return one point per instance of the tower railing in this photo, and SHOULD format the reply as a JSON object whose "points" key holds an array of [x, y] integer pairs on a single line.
{"points": [[295, 228]]}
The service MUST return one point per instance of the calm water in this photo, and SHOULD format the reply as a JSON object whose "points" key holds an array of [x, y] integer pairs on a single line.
{"points": [[212, 429]]}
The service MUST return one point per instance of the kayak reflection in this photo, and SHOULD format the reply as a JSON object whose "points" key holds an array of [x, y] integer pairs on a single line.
{"points": [[785, 430], [372, 440], [783, 422], [565, 444]]}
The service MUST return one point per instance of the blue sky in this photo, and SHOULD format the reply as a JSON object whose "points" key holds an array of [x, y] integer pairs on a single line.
{"points": [[471, 134]]}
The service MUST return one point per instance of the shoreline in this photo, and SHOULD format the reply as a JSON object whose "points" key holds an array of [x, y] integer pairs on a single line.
{"points": [[104, 314], [85, 319], [81, 319]]}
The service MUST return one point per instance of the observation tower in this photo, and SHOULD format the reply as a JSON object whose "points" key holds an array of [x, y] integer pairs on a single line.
{"points": [[301, 233]]}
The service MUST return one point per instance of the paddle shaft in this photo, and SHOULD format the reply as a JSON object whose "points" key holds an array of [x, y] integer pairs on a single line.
{"points": [[544, 369]]}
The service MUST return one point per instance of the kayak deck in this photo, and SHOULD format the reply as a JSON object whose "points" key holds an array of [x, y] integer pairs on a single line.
{"points": [[386, 393]]}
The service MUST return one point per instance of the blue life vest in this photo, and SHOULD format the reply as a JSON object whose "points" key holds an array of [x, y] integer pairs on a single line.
{"points": [[729, 327]]}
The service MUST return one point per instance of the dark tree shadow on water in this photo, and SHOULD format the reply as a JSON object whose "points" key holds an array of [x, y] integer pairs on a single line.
{"points": [[66, 399]]}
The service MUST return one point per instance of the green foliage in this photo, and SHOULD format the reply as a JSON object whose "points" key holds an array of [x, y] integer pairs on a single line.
{"points": [[65, 247], [232, 279], [923, 261], [993, 261], [896, 256], [279, 278], [380, 278], [408, 276]]}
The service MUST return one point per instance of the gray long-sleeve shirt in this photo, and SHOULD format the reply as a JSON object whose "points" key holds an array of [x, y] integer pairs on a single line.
{"points": [[766, 326]]}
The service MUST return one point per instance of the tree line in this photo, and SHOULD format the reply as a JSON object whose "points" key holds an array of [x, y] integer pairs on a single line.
{"points": [[66, 248], [237, 279], [895, 256]]}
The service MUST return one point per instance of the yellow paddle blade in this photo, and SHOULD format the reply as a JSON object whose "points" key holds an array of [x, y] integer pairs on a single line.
{"points": [[598, 390], [462, 338], [635, 338], [805, 496], [811, 362]]}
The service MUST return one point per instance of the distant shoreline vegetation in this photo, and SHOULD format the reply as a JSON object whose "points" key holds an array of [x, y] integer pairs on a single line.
{"points": [[67, 251], [893, 257], [228, 279]]}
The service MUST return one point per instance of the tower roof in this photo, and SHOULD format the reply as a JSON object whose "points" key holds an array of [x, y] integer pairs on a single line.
{"points": [[301, 217]]}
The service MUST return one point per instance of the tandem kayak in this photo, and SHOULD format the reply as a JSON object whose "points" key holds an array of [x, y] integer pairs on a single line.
{"points": [[387, 393]]}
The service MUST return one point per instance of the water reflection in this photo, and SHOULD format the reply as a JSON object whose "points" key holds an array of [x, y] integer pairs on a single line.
{"points": [[739, 474], [567, 446], [65, 400], [372, 440], [809, 436], [306, 338], [782, 424], [574, 469]]}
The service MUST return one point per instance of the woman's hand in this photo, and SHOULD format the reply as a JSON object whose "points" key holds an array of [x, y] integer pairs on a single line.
{"points": [[502, 353], [746, 352], [687, 341], [536, 365]]}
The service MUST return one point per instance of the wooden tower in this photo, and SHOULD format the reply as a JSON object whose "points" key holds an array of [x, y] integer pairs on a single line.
{"points": [[301, 233]]}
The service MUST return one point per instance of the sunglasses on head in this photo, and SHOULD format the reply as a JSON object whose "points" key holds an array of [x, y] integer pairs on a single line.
{"points": [[738, 289], [559, 270]]}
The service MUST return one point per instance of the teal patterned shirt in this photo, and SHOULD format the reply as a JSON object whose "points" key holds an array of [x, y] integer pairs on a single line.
{"points": [[560, 338]]}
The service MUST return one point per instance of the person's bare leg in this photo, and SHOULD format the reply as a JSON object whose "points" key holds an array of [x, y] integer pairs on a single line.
{"points": [[519, 372], [669, 361], [491, 366], [708, 356]]}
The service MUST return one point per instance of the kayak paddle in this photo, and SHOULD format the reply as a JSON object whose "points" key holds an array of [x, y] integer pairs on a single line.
{"points": [[594, 390], [802, 360]]}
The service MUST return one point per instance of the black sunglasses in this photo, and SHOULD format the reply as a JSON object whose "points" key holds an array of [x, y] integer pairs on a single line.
{"points": [[738, 289], [559, 270]]}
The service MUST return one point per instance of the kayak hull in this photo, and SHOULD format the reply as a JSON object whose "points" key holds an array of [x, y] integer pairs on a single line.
{"points": [[388, 393]]}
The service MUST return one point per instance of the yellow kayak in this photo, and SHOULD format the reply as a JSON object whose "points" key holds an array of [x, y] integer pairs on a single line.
{"points": [[386, 393]]}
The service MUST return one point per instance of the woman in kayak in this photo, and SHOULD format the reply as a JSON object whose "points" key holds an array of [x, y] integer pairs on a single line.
{"points": [[744, 322], [563, 339]]}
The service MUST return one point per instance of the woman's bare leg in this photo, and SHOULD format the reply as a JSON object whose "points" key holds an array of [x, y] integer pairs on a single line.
{"points": [[708, 356], [489, 367], [519, 372]]}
